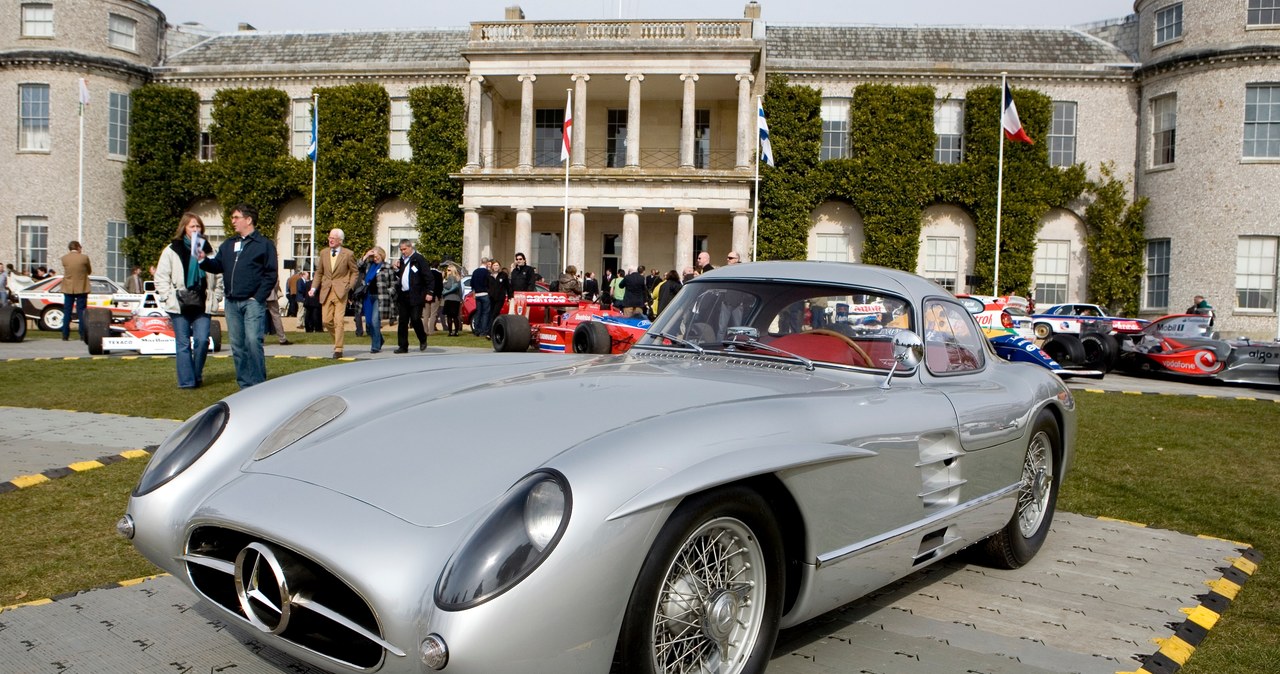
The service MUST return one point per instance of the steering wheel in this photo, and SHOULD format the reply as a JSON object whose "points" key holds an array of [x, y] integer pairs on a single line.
{"points": [[866, 360]]}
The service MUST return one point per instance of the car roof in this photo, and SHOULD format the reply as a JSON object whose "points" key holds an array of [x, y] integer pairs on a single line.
{"points": [[893, 281]]}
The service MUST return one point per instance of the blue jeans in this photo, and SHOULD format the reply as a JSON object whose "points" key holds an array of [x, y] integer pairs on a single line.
{"points": [[244, 327], [76, 303], [480, 320], [373, 323], [191, 341]]}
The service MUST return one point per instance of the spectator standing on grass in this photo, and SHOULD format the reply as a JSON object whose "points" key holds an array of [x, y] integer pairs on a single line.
{"points": [[247, 262], [413, 285], [335, 274], [178, 270], [311, 320], [635, 294], [75, 288], [133, 284], [590, 288], [499, 291], [379, 297], [291, 293], [273, 316], [480, 289], [452, 301], [522, 275], [431, 309]]}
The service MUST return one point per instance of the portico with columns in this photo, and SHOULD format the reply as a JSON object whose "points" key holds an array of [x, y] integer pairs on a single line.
{"points": [[663, 137]]}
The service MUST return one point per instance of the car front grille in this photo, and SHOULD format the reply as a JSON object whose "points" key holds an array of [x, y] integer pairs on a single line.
{"points": [[280, 592]]}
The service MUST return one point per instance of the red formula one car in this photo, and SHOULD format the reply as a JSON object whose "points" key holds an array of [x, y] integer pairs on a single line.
{"points": [[148, 331], [1186, 345], [560, 323]]}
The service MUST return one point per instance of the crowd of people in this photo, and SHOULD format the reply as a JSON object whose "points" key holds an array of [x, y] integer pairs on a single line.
{"points": [[407, 291]]}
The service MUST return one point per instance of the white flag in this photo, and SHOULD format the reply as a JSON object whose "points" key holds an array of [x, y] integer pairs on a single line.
{"points": [[84, 93]]}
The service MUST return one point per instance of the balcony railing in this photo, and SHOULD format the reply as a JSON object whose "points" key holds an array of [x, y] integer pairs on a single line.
{"points": [[595, 31], [650, 160]]}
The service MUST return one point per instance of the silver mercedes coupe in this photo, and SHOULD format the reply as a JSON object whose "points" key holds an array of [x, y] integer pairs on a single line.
{"points": [[786, 438]]}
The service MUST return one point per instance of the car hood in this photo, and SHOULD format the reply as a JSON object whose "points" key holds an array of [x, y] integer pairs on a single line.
{"points": [[434, 443]]}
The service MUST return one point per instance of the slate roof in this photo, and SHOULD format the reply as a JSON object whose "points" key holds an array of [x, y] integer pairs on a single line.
{"points": [[806, 47], [440, 47]]}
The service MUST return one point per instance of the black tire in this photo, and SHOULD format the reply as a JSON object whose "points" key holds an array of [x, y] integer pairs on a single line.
{"points": [[735, 526], [94, 332], [592, 337], [96, 316], [511, 333], [215, 333], [51, 318], [13, 324], [1066, 349], [1099, 351], [1019, 541], [1042, 330]]}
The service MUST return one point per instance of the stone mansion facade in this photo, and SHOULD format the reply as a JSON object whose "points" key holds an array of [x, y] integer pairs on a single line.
{"points": [[1183, 97]]}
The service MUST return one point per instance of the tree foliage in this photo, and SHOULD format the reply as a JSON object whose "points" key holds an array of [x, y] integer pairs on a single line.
{"points": [[159, 176], [438, 136], [1117, 244]]}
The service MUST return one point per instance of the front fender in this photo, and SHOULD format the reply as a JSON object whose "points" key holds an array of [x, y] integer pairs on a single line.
{"points": [[734, 466]]}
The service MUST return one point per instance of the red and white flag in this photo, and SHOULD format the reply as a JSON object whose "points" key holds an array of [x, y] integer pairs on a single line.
{"points": [[568, 128], [1009, 120]]}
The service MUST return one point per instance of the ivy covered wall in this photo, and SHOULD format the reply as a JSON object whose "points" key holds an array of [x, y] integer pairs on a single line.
{"points": [[890, 176], [253, 163]]}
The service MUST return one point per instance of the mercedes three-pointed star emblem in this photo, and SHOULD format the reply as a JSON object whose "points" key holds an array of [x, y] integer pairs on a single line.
{"points": [[262, 588]]}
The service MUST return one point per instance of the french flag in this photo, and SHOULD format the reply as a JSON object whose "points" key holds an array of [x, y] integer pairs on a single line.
{"points": [[1009, 120]]}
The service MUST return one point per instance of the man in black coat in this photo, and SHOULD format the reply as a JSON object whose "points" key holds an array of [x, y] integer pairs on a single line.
{"points": [[414, 288], [590, 287], [522, 275]]}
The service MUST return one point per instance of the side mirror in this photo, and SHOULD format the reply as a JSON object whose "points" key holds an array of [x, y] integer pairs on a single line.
{"points": [[908, 351]]}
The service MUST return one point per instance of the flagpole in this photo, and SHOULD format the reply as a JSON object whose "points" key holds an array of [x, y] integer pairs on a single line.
{"points": [[566, 139], [999, 186], [315, 121], [755, 207], [80, 180]]}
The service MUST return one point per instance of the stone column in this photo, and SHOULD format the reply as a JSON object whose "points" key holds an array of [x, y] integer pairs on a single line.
{"points": [[633, 118], [687, 120], [473, 121], [746, 121], [526, 121], [470, 238], [630, 239], [524, 232], [742, 238], [684, 238], [487, 158], [578, 148], [485, 235], [577, 238]]}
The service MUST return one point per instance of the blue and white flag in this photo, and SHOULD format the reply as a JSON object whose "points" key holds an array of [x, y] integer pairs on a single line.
{"points": [[313, 148], [766, 148]]}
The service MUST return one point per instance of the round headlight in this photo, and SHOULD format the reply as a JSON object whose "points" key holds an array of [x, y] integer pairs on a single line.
{"points": [[518, 534], [543, 511], [183, 447]]}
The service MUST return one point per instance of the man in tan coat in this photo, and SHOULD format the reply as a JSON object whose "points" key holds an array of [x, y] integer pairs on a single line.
{"points": [[335, 274], [75, 288]]}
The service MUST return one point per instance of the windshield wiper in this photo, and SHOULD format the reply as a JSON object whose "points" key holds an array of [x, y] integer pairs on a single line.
{"points": [[741, 340], [681, 341]]}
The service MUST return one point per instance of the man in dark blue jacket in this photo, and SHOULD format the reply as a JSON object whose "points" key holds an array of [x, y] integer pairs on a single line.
{"points": [[247, 262], [480, 319]]}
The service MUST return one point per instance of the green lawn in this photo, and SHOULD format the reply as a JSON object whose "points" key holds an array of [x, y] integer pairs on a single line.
{"points": [[1193, 465]]}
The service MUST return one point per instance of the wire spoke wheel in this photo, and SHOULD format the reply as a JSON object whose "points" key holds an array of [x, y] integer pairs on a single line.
{"points": [[1037, 485], [710, 607]]}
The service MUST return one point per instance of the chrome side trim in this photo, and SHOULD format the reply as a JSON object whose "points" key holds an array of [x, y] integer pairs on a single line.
{"points": [[911, 529], [214, 563]]}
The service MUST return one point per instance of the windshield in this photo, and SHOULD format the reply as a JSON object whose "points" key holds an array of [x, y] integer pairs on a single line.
{"points": [[834, 326]]}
